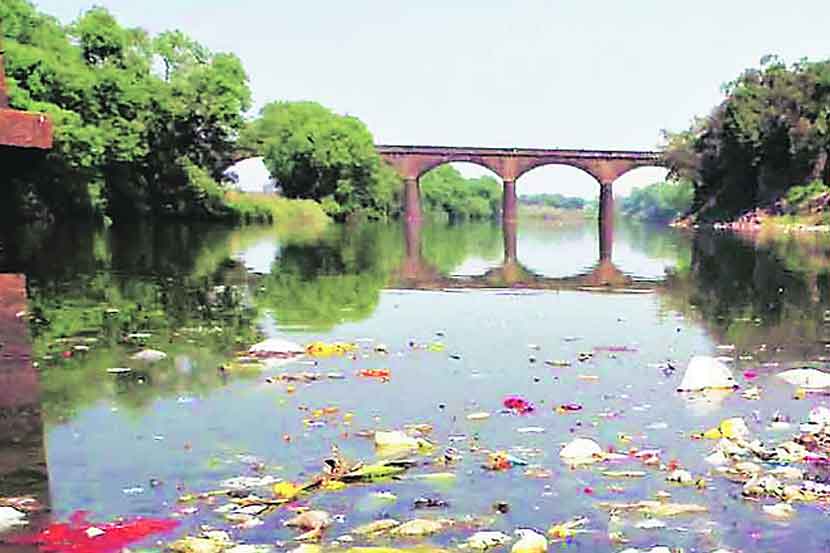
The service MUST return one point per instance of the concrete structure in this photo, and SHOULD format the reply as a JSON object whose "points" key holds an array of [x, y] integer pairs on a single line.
{"points": [[509, 164], [23, 467], [20, 129]]}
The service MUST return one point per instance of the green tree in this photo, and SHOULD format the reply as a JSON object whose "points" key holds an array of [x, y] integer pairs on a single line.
{"points": [[126, 136], [314, 153], [769, 133], [553, 200], [445, 190], [659, 202]]}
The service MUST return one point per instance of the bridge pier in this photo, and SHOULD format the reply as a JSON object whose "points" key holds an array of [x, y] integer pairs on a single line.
{"points": [[509, 210], [509, 234], [606, 221], [412, 199]]}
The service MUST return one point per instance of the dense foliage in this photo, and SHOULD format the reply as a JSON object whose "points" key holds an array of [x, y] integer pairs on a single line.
{"points": [[557, 201], [143, 125], [772, 131], [316, 154], [445, 190], [659, 202]]}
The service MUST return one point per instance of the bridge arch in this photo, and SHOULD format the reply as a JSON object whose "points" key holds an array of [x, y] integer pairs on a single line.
{"points": [[557, 170], [414, 167], [534, 164], [463, 160]]}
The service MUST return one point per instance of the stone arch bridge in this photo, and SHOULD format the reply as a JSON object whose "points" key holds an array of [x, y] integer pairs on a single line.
{"points": [[606, 166]]}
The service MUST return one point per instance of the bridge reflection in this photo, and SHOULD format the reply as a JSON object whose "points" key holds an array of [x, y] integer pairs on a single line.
{"points": [[418, 274]]}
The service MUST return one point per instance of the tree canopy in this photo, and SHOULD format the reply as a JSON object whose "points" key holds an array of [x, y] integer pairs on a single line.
{"points": [[553, 200], [445, 190], [771, 131], [659, 202], [316, 154], [135, 116]]}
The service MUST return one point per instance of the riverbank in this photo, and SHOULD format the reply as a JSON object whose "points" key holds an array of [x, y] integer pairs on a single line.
{"points": [[553, 214], [765, 219], [285, 213]]}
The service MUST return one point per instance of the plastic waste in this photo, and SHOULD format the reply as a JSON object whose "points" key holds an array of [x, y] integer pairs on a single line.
{"points": [[310, 520], [568, 529], [501, 460], [314, 522], [286, 490], [372, 472], [529, 542], [395, 439], [486, 540], [680, 476], [376, 527], [25, 503], [149, 356], [211, 542], [779, 510], [656, 508], [706, 373], [419, 527], [752, 394], [733, 429], [430, 503], [111, 537], [248, 482], [581, 451], [819, 415], [322, 349], [11, 517], [276, 347], [518, 404], [383, 374], [307, 548], [809, 379], [650, 524]]}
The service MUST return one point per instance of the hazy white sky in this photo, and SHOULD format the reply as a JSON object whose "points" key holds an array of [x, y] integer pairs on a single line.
{"points": [[533, 73]]}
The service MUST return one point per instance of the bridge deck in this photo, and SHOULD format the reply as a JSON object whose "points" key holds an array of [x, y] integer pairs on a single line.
{"points": [[391, 149]]}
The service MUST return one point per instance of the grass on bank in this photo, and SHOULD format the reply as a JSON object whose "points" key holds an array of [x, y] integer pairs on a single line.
{"points": [[805, 205], [287, 214]]}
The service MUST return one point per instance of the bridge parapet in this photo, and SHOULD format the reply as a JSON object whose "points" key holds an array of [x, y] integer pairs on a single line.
{"points": [[510, 163]]}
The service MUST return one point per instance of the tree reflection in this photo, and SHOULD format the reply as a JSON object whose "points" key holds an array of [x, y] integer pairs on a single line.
{"points": [[337, 279], [755, 293]]}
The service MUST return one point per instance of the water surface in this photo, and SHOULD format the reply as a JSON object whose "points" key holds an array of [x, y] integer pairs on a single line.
{"points": [[501, 300]]}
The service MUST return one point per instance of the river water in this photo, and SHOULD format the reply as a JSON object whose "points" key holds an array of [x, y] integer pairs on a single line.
{"points": [[462, 316]]}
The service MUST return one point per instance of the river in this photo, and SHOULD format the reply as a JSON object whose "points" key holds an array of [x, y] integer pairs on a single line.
{"points": [[462, 316]]}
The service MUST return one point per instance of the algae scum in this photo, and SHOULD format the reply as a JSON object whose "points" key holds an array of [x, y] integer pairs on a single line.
{"points": [[225, 390]]}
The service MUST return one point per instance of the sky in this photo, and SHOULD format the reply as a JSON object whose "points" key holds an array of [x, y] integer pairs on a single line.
{"points": [[591, 74]]}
